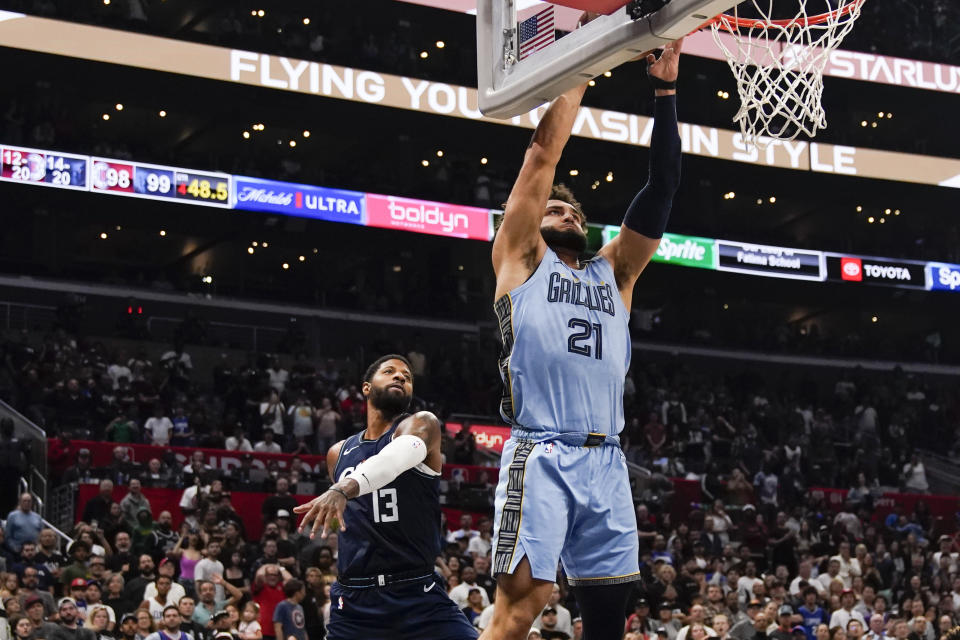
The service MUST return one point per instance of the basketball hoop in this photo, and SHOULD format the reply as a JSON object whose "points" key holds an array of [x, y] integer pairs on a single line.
{"points": [[778, 63]]}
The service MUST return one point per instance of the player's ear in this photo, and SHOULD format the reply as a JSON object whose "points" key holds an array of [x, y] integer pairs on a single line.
{"points": [[365, 389]]}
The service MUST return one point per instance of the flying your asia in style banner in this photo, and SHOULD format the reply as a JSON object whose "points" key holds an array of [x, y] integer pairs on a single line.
{"points": [[288, 74]]}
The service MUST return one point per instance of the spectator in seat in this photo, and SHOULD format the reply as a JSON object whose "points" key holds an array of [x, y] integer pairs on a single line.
{"points": [[915, 476], [158, 428], [468, 580], [78, 551], [30, 593], [756, 623], [842, 616], [163, 539], [249, 627], [166, 568], [209, 566], [187, 606], [271, 416], [548, 625], [288, 616], [134, 590], [22, 524], [238, 441], [22, 629], [122, 429], [697, 617], [170, 621], [563, 621], [480, 545], [156, 475], [208, 605], [68, 627], [327, 420], [34, 610], [133, 503], [127, 628], [279, 500], [145, 624], [267, 445], [183, 435], [267, 592], [82, 471], [114, 595], [474, 606], [466, 529]]}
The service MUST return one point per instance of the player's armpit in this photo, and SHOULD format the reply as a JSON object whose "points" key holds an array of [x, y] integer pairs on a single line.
{"points": [[518, 239]]}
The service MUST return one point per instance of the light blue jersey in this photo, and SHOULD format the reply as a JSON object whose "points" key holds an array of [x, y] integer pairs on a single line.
{"points": [[566, 349]]}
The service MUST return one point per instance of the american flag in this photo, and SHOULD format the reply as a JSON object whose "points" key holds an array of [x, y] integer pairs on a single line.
{"points": [[536, 32]]}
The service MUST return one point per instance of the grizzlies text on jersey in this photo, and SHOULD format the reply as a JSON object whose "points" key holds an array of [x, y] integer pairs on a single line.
{"points": [[566, 349]]}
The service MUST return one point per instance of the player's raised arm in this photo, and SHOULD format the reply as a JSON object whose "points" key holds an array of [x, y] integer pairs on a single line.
{"points": [[646, 218], [518, 246]]}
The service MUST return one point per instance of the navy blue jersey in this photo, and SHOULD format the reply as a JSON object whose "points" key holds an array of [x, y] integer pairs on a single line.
{"points": [[394, 529]]}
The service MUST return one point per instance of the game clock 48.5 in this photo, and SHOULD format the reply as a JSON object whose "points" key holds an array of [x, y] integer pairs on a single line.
{"points": [[203, 188]]}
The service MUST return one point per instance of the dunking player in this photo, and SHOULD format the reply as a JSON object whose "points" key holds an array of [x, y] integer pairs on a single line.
{"points": [[387, 501], [563, 492]]}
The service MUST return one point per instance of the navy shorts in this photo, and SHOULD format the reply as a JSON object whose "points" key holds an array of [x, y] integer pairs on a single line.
{"points": [[411, 611]]}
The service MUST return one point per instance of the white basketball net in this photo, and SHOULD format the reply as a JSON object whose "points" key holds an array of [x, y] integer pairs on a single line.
{"points": [[778, 63]]}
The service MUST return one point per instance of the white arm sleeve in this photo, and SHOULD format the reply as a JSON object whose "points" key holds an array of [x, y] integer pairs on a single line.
{"points": [[404, 452]]}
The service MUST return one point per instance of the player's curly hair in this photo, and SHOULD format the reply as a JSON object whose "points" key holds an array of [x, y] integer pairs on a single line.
{"points": [[563, 193], [560, 192]]}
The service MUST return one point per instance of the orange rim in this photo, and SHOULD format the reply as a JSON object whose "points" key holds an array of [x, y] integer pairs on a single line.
{"points": [[732, 23]]}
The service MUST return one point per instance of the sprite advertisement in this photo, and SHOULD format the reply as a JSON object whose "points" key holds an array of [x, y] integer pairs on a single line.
{"points": [[686, 251]]}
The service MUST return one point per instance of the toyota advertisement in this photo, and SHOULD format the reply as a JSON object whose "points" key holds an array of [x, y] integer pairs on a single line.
{"points": [[287, 198], [423, 216], [882, 271], [773, 262]]}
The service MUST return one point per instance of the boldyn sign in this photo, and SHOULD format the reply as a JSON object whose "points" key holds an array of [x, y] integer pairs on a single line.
{"points": [[423, 216], [306, 201]]}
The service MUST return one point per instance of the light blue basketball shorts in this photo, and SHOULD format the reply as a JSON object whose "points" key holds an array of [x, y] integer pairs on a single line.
{"points": [[558, 501]]}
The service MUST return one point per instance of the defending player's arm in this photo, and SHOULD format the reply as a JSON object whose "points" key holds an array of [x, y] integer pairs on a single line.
{"points": [[518, 246], [416, 441], [646, 218]]}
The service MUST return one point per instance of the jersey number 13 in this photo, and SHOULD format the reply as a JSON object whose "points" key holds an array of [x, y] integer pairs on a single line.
{"points": [[385, 506]]}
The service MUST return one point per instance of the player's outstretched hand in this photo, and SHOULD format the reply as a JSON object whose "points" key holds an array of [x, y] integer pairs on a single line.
{"points": [[667, 66], [321, 511]]}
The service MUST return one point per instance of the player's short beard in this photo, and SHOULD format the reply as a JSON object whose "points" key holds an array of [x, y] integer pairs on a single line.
{"points": [[568, 239], [388, 403]]}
